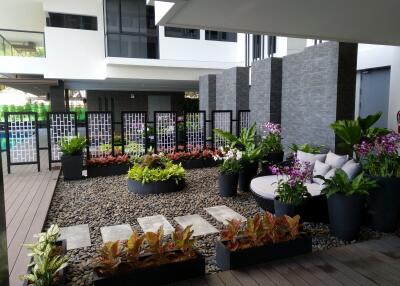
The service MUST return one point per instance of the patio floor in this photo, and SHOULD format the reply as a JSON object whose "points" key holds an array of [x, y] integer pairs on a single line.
{"points": [[28, 194], [373, 262]]}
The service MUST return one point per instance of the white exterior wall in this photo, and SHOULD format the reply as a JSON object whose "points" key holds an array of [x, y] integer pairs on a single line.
{"points": [[374, 56], [22, 15]]}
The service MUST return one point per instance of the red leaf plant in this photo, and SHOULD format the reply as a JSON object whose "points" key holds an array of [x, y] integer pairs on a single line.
{"points": [[108, 160]]}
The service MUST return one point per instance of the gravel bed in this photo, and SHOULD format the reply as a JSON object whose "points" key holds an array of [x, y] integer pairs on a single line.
{"points": [[105, 201]]}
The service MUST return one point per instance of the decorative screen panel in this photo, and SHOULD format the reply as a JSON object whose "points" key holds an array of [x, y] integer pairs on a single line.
{"points": [[21, 132], [244, 120], [134, 133], [221, 120], [99, 133], [61, 125], [195, 131], [165, 125]]}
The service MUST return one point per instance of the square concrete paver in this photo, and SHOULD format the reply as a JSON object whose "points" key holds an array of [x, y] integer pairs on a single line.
{"points": [[153, 223], [116, 232], [223, 214], [77, 236], [199, 224]]}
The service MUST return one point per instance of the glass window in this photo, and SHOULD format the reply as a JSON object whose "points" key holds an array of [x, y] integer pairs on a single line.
{"points": [[113, 16], [69, 21], [182, 33], [221, 36]]}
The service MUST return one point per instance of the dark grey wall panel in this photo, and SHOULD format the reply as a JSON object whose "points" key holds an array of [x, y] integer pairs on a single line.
{"points": [[207, 93]]}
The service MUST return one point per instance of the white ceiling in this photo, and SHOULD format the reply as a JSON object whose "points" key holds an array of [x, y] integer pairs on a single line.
{"points": [[361, 21]]}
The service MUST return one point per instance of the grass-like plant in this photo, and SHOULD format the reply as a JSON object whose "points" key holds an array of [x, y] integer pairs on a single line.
{"points": [[72, 145], [307, 148]]}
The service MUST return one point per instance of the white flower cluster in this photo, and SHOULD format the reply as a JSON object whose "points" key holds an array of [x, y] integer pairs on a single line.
{"points": [[228, 154]]}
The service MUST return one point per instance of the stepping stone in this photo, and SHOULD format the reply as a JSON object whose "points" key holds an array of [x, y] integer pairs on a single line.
{"points": [[116, 232], [77, 236], [153, 223], [223, 214], [199, 224]]}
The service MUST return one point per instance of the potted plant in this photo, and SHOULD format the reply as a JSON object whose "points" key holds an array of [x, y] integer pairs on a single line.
{"points": [[291, 190], [107, 165], [379, 158], [72, 156], [229, 172], [263, 238], [154, 174], [48, 259], [246, 142], [346, 202], [271, 145], [194, 159], [149, 259]]}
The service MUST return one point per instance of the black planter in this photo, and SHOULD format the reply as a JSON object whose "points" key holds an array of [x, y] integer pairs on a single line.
{"points": [[345, 215], [383, 205], [72, 166], [157, 275], [110, 170], [272, 159], [227, 259], [246, 174], [227, 184], [168, 186], [192, 164], [285, 209]]}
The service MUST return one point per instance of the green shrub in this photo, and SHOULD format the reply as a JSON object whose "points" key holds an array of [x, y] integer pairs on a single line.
{"points": [[72, 145], [147, 174]]}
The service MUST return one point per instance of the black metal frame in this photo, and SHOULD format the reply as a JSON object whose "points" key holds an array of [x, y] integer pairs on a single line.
{"points": [[51, 160], [239, 120], [213, 123], [88, 139], [155, 128], [9, 163], [204, 127], [123, 132]]}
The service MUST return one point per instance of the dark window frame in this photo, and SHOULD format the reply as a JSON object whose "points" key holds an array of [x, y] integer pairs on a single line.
{"points": [[66, 21], [220, 36], [193, 34]]}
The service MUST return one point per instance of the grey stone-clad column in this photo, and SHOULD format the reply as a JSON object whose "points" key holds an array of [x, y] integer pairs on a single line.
{"points": [[57, 98], [318, 87], [266, 91], [207, 93]]}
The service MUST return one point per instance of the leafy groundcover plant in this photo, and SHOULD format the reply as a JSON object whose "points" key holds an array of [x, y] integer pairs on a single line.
{"points": [[379, 157], [72, 145], [156, 168], [260, 230], [108, 160], [340, 183], [48, 259], [307, 148], [147, 250], [292, 190], [231, 160]]}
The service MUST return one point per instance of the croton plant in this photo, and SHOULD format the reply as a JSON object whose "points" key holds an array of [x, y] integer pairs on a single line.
{"points": [[190, 155], [260, 230], [108, 160], [145, 250]]}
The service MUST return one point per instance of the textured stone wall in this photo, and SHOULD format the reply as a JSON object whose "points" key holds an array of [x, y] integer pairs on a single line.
{"points": [[318, 87], [266, 91], [207, 93]]}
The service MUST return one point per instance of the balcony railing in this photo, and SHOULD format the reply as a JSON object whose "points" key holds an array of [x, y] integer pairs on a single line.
{"points": [[22, 43]]}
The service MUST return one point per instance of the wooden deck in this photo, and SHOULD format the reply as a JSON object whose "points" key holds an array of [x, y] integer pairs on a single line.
{"points": [[28, 195], [370, 263]]}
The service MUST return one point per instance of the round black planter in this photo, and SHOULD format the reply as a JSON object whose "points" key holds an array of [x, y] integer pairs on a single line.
{"points": [[246, 174], [383, 205], [72, 166], [272, 159], [285, 209], [168, 186], [228, 183], [345, 215]]}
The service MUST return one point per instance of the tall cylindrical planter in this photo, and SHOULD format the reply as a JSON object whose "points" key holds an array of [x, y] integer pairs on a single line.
{"points": [[246, 174], [72, 166], [285, 209], [383, 205], [345, 215], [228, 183]]}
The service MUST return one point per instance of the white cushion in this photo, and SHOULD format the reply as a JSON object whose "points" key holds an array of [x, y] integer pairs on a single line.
{"points": [[266, 186], [310, 158], [330, 173], [336, 161], [320, 169], [351, 168]]}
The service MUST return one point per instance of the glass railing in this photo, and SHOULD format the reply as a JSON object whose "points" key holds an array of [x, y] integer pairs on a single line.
{"points": [[22, 43]]}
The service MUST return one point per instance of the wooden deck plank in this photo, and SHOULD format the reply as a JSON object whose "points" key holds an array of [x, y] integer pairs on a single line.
{"points": [[244, 277], [213, 280], [273, 275], [259, 277], [229, 279]]}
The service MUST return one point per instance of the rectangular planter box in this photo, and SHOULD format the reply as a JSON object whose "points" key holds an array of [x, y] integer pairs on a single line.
{"points": [[156, 275], [110, 170], [61, 282], [227, 259], [199, 163]]}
